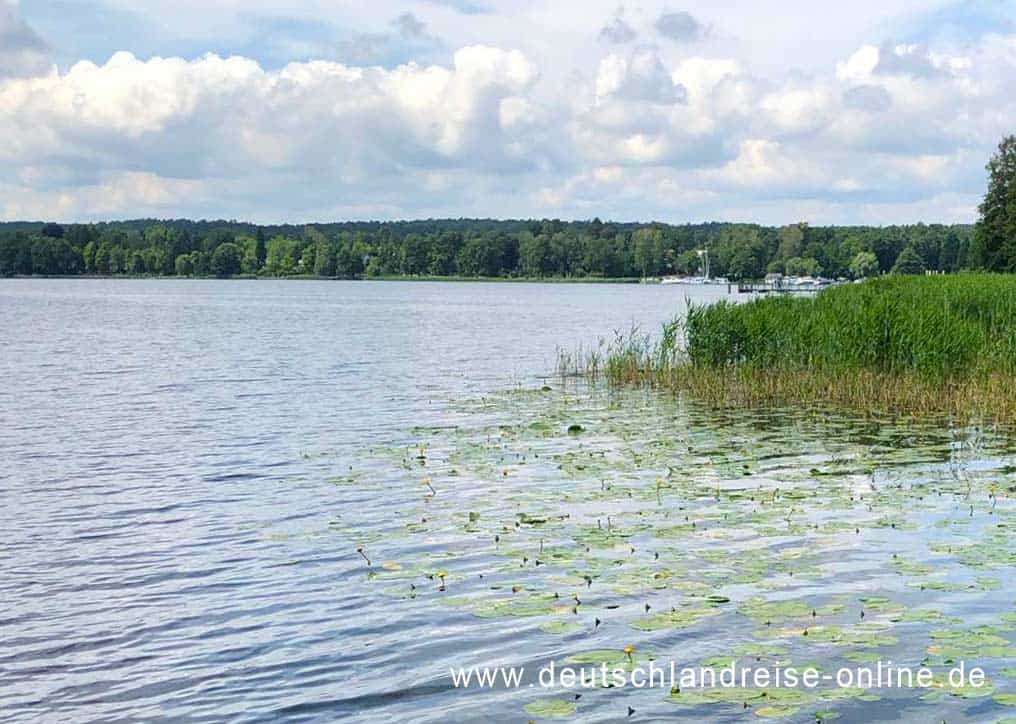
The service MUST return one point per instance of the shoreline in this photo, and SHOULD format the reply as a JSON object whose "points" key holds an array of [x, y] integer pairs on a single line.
{"points": [[313, 278]]}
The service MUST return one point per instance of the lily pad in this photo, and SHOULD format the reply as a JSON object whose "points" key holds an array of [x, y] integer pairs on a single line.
{"points": [[551, 708]]}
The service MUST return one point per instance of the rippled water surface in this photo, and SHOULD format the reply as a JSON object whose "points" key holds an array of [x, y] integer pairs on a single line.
{"points": [[264, 500]]}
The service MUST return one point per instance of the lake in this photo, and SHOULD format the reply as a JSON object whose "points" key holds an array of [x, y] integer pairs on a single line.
{"points": [[308, 500]]}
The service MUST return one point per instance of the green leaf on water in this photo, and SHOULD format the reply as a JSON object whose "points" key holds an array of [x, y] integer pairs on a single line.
{"points": [[776, 712], [551, 708], [675, 618], [611, 657], [561, 626]]}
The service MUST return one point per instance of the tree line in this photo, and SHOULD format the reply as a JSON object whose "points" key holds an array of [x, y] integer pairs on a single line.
{"points": [[485, 248]]}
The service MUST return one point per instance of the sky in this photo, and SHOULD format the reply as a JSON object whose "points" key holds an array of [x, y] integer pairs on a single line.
{"points": [[319, 110]]}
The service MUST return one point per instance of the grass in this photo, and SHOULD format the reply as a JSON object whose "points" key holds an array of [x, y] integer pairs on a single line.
{"points": [[911, 345]]}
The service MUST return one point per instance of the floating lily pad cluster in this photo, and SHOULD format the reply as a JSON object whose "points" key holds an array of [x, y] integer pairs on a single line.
{"points": [[584, 522]]}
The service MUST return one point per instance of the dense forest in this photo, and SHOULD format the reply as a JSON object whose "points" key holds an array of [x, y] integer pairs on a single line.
{"points": [[482, 248]]}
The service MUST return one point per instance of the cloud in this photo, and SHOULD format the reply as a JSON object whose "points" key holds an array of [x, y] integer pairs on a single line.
{"points": [[640, 76], [409, 41], [365, 49], [229, 119], [910, 60], [409, 26], [867, 98], [389, 121], [22, 52], [798, 108], [679, 26], [466, 7], [618, 31], [702, 75]]}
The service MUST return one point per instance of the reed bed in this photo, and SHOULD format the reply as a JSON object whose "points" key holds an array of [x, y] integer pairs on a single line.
{"points": [[900, 345]]}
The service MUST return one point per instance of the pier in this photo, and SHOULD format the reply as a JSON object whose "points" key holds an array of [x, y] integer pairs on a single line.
{"points": [[779, 286]]}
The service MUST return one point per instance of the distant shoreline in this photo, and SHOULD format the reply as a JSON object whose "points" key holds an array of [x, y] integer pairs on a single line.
{"points": [[312, 277]]}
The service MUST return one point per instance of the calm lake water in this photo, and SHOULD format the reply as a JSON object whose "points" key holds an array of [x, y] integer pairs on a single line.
{"points": [[189, 468]]}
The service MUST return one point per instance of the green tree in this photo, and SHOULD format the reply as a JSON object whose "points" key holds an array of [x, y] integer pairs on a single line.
{"points": [[791, 240], [53, 255], [688, 263], [481, 255], [156, 259], [226, 260], [80, 234], [503, 248], [441, 257], [200, 263], [117, 260], [800, 266], [249, 264], [648, 247], [53, 231], [136, 263], [260, 252], [744, 264], [909, 262], [183, 265], [101, 264], [599, 259], [281, 253], [215, 238], [88, 254], [415, 254], [996, 228], [864, 264], [324, 259], [534, 255]]}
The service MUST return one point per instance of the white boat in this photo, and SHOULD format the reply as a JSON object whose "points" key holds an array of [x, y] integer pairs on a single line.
{"points": [[693, 280]]}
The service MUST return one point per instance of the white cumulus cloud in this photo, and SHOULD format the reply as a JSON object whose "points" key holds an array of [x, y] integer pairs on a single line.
{"points": [[575, 127]]}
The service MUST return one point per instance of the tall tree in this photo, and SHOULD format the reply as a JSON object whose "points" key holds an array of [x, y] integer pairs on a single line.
{"points": [[54, 231], [909, 262], [864, 264], [225, 261], [648, 245], [791, 240], [260, 251], [996, 229]]}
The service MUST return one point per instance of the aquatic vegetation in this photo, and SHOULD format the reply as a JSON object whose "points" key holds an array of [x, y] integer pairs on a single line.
{"points": [[942, 686], [551, 708], [979, 642], [674, 618], [533, 604], [613, 658], [672, 531], [944, 345], [561, 626]]}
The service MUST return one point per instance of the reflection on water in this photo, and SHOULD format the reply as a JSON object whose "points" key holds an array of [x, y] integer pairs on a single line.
{"points": [[190, 467], [772, 539]]}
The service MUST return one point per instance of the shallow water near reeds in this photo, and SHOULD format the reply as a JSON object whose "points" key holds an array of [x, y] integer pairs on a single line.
{"points": [[191, 468]]}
